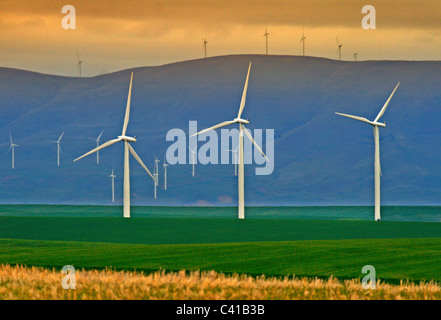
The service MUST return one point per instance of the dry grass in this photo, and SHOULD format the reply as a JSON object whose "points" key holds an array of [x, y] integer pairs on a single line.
{"points": [[36, 283]]}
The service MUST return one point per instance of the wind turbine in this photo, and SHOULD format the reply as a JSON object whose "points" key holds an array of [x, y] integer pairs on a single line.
{"points": [[127, 148], [375, 124], [12, 147], [355, 55], [235, 159], [97, 145], [193, 153], [303, 40], [266, 34], [165, 165], [113, 176], [79, 63], [339, 49], [58, 148], [242, 129], [156, 174], [205, 47]]}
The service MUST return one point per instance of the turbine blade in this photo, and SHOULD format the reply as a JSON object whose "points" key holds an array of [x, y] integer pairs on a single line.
{"points": [[386, 104], [354, 117], [104, 145], [61, 136], [220, 125], [244, 94], [10, 138], [135, 155], [129, 97], [10, 147], [100, 135], [255, 143]]}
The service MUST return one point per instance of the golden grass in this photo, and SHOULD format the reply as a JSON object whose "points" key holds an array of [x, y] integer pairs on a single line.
{"points": [[17, 282]]}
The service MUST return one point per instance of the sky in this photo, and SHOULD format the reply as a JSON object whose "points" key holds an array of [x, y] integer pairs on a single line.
{"points": [[113, 35]]}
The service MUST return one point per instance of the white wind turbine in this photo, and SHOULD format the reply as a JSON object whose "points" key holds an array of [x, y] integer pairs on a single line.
{"points": [[58, 148], [12, 147], [235, 158], [156, 174], [127, 148], [339, 49], [375, 124], [193, 154], [97, 145], [266, 34], [303, 40], [242, 129], [165, 165], [113, 176]]}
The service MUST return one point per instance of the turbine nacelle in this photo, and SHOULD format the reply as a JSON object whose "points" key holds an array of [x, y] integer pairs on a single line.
{"points": [[126, 138], [239, 120]]}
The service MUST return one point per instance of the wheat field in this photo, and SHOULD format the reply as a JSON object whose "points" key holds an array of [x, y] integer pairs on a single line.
{"points": [[18, 282]]}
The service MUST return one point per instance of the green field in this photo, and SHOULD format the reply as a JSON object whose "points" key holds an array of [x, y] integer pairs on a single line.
{"points": [[394, 259], [181, 238]]}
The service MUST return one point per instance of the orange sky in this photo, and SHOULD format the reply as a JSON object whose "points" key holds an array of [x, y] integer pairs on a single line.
{"points": [[119, 34]]}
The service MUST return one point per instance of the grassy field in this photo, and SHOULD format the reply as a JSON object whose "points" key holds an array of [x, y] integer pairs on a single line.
{"points": [[388, 213], [208, 230], [38, 283], [394, 259]]}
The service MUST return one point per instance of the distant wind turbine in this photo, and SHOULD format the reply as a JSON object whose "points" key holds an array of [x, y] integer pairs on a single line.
{"points": [[205, 47], [79, 64], [97, 145], [193, 153], [303, 40], [165, 165], [355, 55], [375, 124], [113, 176], [127, 148], [235, 159], [266, 34], [242, 129], [339, 49], [58, 148], [156, 174], [12, 147]]}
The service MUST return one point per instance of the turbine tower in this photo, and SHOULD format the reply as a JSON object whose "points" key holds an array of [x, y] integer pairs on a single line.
{"points": [[156, 174], [375, 124], [205, 47], [235, 159], [193, 153], [79, 64], [113, 176], [127, 148], [242, 130], [266, 34], [355, 55], [97, 145], [58, 148], [12, 147], [303, 40], [165, 165], [339, 49]]}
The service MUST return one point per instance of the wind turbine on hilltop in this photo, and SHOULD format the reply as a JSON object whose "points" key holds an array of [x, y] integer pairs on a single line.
{"points": [[339, 49], [97, 145], [266, 34], [205, 47], [375, 124], [355, 55], [58, 148], [242, 129], [113, 176], [12, 147], [79, 64], [165, 165], [127, 148], [303, 40], [193, 153]]}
